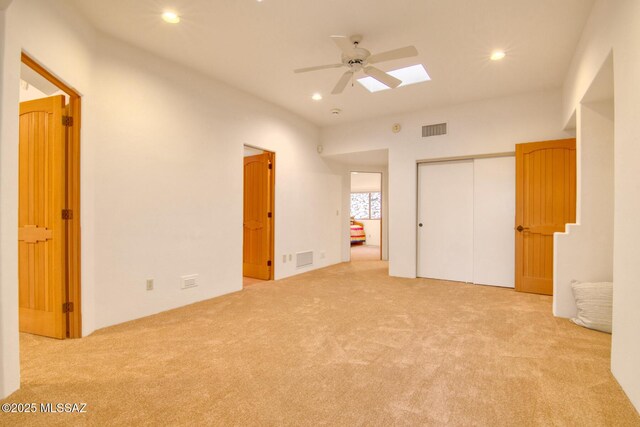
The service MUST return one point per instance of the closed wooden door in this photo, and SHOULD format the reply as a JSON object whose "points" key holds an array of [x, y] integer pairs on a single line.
{"points": [[545, 203], [40, 228], [258, 216]]}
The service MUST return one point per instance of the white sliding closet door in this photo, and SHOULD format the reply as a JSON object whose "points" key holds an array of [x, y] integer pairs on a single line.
{"points": [[494, 215], [445, 210]]}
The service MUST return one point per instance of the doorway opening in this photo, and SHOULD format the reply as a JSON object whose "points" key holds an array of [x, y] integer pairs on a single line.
{"points": [[258, 216], [49, 205], [365, 229]]}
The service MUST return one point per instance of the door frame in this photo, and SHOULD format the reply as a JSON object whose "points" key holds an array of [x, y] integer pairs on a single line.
{"points": [[72, 200], [272, 207], [382, 205]]}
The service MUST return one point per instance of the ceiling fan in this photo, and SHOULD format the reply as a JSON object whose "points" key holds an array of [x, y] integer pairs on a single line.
{"points": [[356, 58]]}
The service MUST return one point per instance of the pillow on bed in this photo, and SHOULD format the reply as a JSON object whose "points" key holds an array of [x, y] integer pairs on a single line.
{"points": [[594, 302]]}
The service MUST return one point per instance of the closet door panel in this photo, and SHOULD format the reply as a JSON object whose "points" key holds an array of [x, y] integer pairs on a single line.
{"points": [[445, 210], [494, 216]]}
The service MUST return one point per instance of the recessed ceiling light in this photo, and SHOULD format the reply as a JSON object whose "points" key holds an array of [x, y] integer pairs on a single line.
{"points": [[170, 17], [316, 97], [498, 55], [409, 75]]}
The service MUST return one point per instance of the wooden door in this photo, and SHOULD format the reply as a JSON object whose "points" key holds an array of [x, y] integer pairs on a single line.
{"points": [[258, 216], [545, 202], [40, 229]]}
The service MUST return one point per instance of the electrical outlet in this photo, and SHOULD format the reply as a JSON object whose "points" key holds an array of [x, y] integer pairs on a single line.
{"points": [[149, 284], [290, 257], [189, 281], [322, 254], [284, 258]]}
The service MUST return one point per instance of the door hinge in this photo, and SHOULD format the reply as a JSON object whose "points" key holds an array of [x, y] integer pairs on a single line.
{"points": [[67, 121], [269, 263], [67, 214], [270, 165], [67, 307], [269, 214]]}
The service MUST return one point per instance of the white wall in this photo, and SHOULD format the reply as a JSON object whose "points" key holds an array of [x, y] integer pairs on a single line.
{"points": [[490, 126], [9, 372], [161, 170], [372, 231], [615, 25], [181, 212], [585, 251]]}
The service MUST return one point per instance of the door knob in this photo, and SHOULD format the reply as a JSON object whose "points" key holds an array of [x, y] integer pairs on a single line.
{"points": [[521, 228], [420, 225]]}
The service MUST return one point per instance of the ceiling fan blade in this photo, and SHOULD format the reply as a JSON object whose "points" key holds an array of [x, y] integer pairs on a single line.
{"points": [[342, 83], [343, 43], [382, 77], [319, 67], [403, 52]]}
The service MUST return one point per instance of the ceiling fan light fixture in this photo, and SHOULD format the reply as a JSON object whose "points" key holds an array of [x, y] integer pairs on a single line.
{"points": [[170, 17]]}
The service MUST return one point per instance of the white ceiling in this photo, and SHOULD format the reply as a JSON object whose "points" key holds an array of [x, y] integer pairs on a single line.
{"points": [[255, 46]]}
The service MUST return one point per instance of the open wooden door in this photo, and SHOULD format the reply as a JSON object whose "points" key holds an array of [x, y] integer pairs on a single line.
{"points": [[258, 216], [545, 203], [40, 225]]}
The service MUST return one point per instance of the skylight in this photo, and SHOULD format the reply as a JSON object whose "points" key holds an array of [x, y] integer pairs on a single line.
{"points": [[409, 75]]}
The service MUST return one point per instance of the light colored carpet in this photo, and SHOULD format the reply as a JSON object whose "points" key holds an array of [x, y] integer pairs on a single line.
{"points": [[365, 253], [250, 281], [346, 345]]}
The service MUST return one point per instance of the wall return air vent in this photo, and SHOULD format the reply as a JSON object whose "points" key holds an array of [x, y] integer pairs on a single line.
{"points": [[434, 130], [304, 258]]}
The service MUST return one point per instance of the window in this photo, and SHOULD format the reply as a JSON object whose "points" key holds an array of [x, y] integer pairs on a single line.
{"points": [[366, 205]]}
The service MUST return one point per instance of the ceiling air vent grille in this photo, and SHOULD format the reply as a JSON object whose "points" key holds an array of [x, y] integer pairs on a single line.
{"points": [[433, 130]]}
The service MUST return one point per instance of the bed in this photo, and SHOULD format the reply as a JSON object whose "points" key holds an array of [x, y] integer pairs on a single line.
{"points": [[358, 236]]}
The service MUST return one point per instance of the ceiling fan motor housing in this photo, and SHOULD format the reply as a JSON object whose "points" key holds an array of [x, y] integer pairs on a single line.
{"points": [[356, 59]]}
